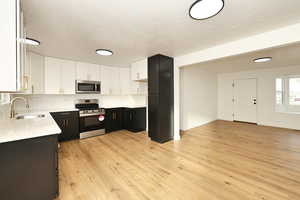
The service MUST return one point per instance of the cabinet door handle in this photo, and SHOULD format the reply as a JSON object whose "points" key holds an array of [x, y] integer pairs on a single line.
{"points": [[64, 123], [25, 82], [67, 123], [32, 88]]}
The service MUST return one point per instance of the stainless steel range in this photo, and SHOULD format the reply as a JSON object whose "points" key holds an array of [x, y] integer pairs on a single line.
{"points": [[92, 118]]}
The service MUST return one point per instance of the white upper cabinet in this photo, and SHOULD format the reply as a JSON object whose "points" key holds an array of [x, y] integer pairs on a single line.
{"points": [[107, 80], [60, 76], [139, 70], [125, 81], [115, 81], [87, 72], [35, 74], [52, 75], [68, 76], [11, 50]]}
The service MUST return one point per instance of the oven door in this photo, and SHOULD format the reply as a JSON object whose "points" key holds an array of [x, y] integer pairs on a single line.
{"points": [[88, 87], [91, 123]]}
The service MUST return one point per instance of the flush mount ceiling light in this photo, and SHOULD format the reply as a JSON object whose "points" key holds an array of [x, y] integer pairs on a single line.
{"points": [[204, 9], [31, 41], [104, 52], [261, 60]]}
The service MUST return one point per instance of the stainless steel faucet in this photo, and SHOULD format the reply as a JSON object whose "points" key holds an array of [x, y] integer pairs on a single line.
{"points": [[12, 105]]}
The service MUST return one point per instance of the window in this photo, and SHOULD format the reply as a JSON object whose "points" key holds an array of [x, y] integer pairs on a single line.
{"points": [[288, 94], [294, 91], [279, 91]]}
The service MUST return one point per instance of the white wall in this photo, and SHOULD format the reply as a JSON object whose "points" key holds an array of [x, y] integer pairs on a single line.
{"points": [[48, 102], [198, 97], [266, 114]]}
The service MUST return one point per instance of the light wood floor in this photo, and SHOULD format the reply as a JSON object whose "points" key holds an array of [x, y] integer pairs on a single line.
{"points": [[218, 161]]}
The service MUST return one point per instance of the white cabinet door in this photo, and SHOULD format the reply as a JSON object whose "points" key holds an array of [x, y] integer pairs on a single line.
{"points": [[134, 72], [93, 73], [82, 71], [115, 81], [37, 73], [106, 80], [68, 77], [124, 81], [8, 47], [139, 70], [52, 75], [143, 69], [87, 71]]}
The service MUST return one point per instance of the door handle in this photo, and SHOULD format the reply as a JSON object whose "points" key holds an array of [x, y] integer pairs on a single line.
{"points": [[64, 123]]}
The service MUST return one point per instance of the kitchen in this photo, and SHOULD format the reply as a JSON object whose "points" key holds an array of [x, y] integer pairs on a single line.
{"points": [[147, 100], [48, 102]]}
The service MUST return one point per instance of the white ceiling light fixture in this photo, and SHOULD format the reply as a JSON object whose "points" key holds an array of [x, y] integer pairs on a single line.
{"points": [[262, 60], [31, 41], [104, 52], [205, 9]]}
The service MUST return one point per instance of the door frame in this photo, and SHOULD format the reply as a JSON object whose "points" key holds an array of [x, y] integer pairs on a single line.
{"points": [[233, 99]]}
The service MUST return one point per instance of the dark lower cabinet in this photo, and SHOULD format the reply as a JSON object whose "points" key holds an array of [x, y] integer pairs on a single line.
{"points": [[113, 119], [131, 119], [29, 169], [69, 124], [134, 119]]}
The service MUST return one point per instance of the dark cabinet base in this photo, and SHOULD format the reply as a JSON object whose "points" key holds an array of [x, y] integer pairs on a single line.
{"points": [[134, 119], [69, 123], [131, 119], [113, 119], [29, 169]]}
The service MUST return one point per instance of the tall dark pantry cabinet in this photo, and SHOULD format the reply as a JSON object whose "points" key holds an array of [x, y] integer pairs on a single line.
{"points": [[161, 98]]}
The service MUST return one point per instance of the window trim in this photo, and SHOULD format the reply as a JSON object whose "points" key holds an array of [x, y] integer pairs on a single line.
{"points": [[286, 107]]}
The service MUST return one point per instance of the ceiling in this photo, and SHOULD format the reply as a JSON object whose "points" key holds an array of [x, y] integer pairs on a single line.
{"points": [[281, 57], [135, 29]]}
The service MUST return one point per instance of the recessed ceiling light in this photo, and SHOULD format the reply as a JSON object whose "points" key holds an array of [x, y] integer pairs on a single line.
{"points": [[32, 42], [261, 60], [104, 52], [204, 9]]}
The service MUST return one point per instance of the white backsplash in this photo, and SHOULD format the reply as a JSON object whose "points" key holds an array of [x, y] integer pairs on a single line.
{"points": [[4, 106], [4, 111], [48, 102]]}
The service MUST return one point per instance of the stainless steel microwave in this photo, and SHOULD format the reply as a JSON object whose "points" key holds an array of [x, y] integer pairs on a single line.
{"points": [[88, 87]]}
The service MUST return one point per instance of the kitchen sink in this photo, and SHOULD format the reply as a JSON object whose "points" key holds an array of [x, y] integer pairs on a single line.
{"points": [[30, 116]]}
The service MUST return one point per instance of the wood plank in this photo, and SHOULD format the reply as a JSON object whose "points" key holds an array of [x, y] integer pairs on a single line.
{"points": [[218, 161]]}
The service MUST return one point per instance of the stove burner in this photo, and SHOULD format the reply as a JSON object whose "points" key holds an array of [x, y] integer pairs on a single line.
{"points": [[89, 107]]}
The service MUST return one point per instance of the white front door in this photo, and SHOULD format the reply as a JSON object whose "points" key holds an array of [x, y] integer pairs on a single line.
{"points": [[245, 100]]}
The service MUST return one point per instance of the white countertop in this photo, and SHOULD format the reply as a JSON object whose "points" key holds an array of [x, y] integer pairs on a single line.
{"points": [[123, 106], [14, 130], [70, 109]]}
